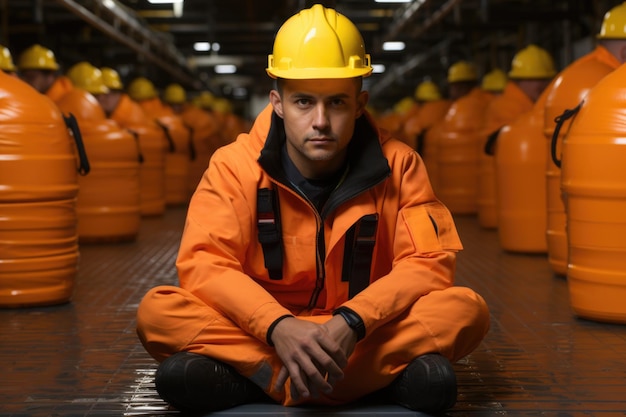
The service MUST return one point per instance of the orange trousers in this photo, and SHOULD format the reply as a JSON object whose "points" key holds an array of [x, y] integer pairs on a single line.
{"points": [[451, 322]]}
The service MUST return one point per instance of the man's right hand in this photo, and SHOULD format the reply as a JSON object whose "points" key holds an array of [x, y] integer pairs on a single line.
{"points": [[311, 356]]}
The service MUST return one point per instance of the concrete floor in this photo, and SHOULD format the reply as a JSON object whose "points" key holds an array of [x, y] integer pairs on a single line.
{"points": [[84, 359]]}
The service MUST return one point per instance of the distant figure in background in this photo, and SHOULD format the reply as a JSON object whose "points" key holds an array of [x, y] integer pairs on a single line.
{"points": [[38, 67], [6, 61]]}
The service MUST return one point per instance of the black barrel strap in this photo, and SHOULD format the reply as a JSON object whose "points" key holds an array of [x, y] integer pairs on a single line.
{"points": [[490, 145], [359, 248], [269, 232], [72, 125], [559, 120], [168, 136], [419, 145], [140, 157], [192, 146]]}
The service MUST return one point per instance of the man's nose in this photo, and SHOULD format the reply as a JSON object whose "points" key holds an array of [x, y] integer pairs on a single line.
{"points": [[320, 117]]}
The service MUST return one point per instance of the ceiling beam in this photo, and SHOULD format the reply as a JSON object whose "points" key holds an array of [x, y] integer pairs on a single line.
{"points": [[114, 20]]}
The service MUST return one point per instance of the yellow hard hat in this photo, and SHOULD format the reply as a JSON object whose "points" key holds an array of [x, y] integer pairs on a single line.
{"points": [[614, 23], [495, 80], [206, 100], [111, 78], [532, 62], [222, 105], [37, 57], [404, 105], [174, 94], [318, 43], [6, 61], [141, 89], [462, 71], [427, 91], [89, 78]]}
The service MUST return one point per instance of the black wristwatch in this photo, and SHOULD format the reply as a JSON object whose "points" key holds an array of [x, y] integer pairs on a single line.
{"points": [[354, 321]]}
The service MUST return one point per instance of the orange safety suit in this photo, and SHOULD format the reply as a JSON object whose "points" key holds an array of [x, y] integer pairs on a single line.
{"points": [[226, 300]]}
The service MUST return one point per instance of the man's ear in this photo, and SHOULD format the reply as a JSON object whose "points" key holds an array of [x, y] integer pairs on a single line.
{"points": [[361, 101], [277, 103]]}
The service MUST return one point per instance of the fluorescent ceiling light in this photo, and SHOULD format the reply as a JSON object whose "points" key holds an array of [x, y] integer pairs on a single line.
{"points": [[202, 46], [378, 68], [177, 8], [165, 1], [225, 69], [393, 46]]}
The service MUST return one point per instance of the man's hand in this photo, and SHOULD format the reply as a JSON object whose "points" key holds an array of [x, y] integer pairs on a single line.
{"points": [[313, 355]]}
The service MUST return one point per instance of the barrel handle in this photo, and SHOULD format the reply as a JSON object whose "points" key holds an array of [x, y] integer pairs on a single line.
{"points": [[72, 125], [559, 120], [168, 136], [192, 146], [490, 145], [419, 142], [135, 135]]}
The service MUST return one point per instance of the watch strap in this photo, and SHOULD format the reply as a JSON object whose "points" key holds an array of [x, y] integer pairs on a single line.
{"points": [[355, 322]]}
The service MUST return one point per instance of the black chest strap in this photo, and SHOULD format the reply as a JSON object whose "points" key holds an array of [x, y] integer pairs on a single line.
{"points": [[357, 256], [359, 243], [270, 234]]}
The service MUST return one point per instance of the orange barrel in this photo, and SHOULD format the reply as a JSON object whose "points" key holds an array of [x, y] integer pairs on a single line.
{"points": [[593, 180], [205, 138], [151, 170], [416, 126], [458, 154], [430, 153], [38, 188], [154, 146], [520, 161], [486, 198], [177, 161], [412, 130], [108, 202], [502, 110], [568, 90]]}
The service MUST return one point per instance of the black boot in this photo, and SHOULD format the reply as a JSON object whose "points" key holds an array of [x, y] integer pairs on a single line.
{"points": [[427, 384], [192, 382]]}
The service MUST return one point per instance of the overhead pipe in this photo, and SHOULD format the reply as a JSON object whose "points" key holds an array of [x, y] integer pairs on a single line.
{"points": [[435, 18], [142, 46], [398, 71], [405, 16]]}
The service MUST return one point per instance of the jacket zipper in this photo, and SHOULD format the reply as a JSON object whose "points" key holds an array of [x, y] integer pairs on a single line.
{"points": [[319, 256]]}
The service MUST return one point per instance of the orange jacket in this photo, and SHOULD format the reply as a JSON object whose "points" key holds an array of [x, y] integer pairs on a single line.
{"points": [[221, 261]]}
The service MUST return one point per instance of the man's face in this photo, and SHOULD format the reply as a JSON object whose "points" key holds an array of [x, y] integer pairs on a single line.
{"points": [[319, 117], [39, 80], [109, 101], [532, 88]]}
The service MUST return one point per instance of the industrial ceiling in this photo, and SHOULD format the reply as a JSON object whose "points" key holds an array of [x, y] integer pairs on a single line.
{"points": [[157, 40]]}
